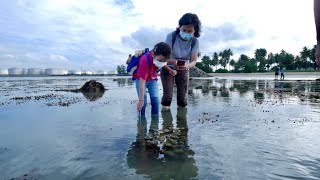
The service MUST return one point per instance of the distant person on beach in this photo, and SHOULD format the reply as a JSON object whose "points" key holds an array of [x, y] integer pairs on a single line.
{"points": [[147, 76], [276, 73], [185, 47], [316, 7], [282, 74]]}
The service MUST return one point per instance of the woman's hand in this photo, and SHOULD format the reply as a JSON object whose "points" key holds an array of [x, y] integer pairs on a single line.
{"points": [[184, 67], [173, 72], [140, 105]]}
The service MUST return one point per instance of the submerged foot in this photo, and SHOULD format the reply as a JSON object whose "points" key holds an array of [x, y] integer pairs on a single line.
{"points": [[165, 108]]}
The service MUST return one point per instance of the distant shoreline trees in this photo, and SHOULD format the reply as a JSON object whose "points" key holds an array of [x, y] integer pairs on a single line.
{"points": [[261, 62]]}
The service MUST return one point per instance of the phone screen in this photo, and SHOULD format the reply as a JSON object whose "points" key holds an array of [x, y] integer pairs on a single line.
{"points": [[180, 62]]}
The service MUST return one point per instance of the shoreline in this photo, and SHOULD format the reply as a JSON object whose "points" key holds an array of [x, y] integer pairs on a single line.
{"points": [[265, 73]]}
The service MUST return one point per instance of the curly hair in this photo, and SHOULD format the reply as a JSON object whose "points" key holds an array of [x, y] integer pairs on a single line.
{"points": [[188, 19]]}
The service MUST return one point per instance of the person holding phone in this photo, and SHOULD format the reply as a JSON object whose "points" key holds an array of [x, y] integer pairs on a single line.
{"points": [[185, 47]]}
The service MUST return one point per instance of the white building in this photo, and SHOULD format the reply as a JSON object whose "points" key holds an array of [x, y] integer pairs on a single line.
{"points": [[112, 72], [34, 71], [85, 72], [101, 72], [56, 72], [4, 72], [74, 72], [24, 71], [15, 71]]}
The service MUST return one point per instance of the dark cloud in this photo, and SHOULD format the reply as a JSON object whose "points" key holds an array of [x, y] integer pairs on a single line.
{"points": [[226, 32], [225, 36], [145, 37], [212, 38]]}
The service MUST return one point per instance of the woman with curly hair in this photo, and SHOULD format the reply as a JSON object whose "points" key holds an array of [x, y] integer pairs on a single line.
{"points": [[185, 47]]}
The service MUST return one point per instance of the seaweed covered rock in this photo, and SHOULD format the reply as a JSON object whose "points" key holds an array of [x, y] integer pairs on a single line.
{"points": [[92, 90], [92, 86]]}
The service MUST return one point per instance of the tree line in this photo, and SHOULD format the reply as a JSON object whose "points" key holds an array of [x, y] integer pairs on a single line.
{"points": [[261, 62]]}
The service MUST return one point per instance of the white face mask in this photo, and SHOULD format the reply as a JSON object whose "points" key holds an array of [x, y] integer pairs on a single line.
{"points": [[158, 63]]}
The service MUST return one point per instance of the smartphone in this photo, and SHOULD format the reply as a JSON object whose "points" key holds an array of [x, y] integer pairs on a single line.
{"points": [[181, 62]]}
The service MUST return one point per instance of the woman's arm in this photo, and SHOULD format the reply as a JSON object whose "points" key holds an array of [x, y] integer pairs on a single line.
{"points": [[193, 61], [194, 57]]}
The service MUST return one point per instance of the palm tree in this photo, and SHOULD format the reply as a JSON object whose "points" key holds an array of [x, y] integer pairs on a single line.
{"points": [[232, 62], [270, 60], [260, 56], [305, 54], [199, 54], [206, 62], [225, 57], [215, 59], [312, 56]]}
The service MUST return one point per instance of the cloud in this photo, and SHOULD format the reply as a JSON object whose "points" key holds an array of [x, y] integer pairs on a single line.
{"points": [[145, 37], [99, 34], [9, 56], [225, 36], [213, 39], [58, 58]]}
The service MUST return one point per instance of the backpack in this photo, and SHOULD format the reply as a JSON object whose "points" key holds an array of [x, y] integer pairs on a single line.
{"points": [[134, 63], [174, 35]]}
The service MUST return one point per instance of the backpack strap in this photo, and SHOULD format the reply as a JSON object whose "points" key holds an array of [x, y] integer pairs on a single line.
{"points": [[174, 37], [148, 58], [193, 42]]}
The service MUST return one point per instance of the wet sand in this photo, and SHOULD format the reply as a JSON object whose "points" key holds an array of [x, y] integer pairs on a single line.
{"points": [[234, 126]]}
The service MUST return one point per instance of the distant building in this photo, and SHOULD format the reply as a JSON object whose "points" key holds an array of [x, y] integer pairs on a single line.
{"points": [[43, 72], [74, 72], [4, 72], [101, 72], [56, 72], [15, 71], [24, 71], [85, 72], [112, 72], [34, 71]]}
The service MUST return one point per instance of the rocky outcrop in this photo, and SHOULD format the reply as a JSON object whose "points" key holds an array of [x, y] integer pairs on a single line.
{"points": [[196, 72], [92, 86], [92, 90]]}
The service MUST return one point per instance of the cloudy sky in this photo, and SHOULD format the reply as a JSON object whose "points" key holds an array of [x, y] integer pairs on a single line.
{"points": [[99, 34]]}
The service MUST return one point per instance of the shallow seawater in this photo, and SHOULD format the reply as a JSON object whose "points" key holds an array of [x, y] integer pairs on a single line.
{"points": [[231, 129]]}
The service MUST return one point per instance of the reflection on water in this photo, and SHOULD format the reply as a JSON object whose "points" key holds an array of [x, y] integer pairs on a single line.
{"points": [[163, 154], [231, 129], [93, 96], [260, 88]]}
